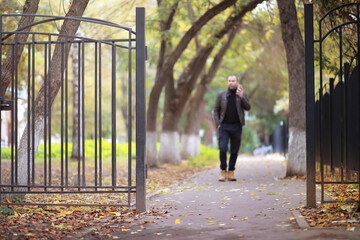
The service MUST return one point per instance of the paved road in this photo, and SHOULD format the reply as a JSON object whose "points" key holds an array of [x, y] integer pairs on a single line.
{"points": [[257, 206]]}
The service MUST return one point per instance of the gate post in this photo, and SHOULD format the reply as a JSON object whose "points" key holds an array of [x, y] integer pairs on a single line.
{"points": [[310, 107], [140, 111]]}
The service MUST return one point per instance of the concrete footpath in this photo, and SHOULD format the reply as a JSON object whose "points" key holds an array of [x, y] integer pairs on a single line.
{"points": [[257, 206]]}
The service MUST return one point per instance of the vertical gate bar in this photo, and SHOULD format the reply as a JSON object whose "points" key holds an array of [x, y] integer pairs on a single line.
{"points": [[346, 78], [28, 117], [321, 115], [310, 107], [33, 110], [113, 115], [140, 111], [45, 114], [342, 116], [66, 112], [62, 118], [0, 124], [16, 111], [129, 121], [358, 122], [12, 115], [79, 113], [49, 109], [83, 110], [100, 118], [96, 89], [1, 33], [330, 124], [0, 101]]}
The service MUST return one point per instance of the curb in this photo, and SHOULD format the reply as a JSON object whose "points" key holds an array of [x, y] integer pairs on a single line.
{"points": [[300, 219]]}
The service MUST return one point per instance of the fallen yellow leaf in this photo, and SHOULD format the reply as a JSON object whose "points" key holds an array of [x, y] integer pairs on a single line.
{"points": [[64, 213], [177, 221], [212, 222], [63, 226]]}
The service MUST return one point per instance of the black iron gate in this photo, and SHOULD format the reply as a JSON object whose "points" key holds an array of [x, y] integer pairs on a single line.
{"points": [[332, 100], [37, 113]]}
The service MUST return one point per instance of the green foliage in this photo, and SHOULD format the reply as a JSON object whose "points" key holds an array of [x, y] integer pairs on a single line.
{"points": [[249, 140], [5, 153], [208, 156], [330, 45], [6, 211], [257, 57], [17, 200], [121, 150]]}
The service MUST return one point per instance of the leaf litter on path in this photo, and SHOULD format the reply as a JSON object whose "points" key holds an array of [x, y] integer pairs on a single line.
{"points": [[57, 222]]}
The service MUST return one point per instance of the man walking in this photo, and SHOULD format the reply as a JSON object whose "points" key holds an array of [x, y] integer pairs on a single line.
{"points": [[229, 119]]}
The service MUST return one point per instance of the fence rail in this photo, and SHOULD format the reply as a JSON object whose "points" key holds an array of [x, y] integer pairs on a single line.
{"points": [[48, 109], [332, 104]]}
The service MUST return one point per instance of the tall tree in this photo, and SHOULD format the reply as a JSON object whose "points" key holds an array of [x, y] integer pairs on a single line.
{"points": [[165, 67], [190, 140], [76, 128], [30, 7], [295, 54], [177, 97], [69, 27]]}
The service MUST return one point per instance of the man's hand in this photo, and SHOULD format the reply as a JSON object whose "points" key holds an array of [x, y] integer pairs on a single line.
{"points": [[240, 91]]}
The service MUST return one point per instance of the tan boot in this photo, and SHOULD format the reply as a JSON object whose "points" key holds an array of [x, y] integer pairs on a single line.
{"points": [[231, 176], [222, 176]]}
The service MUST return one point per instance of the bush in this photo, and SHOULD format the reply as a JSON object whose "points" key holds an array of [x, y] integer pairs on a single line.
{"points": [[121, 150], [249, 140], [5, 211], [208, 157], [6, 153]]}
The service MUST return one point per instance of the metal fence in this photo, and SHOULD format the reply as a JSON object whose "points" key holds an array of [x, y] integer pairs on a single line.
{"points": [[39, 98], [332, 99]]}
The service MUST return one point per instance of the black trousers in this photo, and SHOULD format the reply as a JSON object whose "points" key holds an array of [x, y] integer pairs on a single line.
{"points": [[230, 132]]}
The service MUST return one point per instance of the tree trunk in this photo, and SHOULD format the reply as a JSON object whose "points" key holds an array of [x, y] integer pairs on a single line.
{"points": [[151, 134], [175, 99], [124, 108], [76, 128], [174, 104], [69, 27], [30, 7], [169, 138], [190, 140], [295, 51], [165, 68]]}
